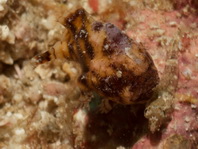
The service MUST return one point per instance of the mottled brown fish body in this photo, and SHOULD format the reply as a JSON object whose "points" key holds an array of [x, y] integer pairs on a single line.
{"points": [[114, 66]]}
